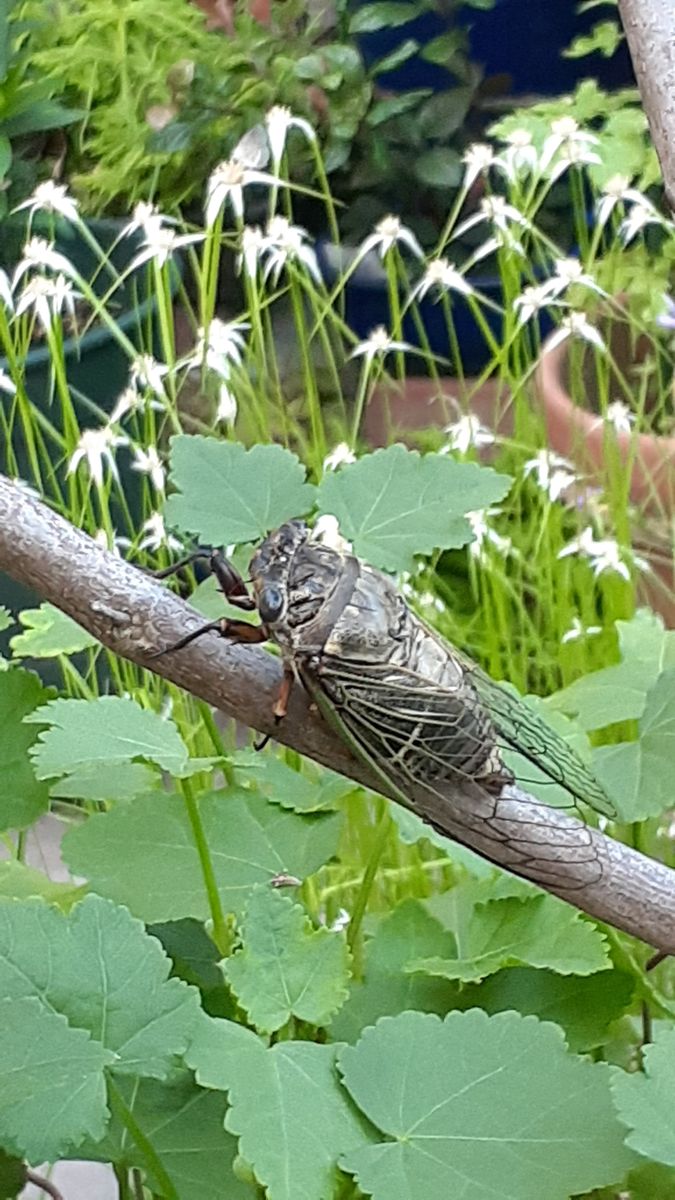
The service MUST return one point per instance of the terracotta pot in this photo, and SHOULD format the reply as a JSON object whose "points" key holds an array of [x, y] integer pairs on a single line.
{"points": [[397, 409], [580, 434]]}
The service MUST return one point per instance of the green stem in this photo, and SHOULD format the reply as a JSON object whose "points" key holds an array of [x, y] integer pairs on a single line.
{"points": [[206, 714], [122, 1177], [153, 1162], [220, 931], [137, 1184], [369, 874]]}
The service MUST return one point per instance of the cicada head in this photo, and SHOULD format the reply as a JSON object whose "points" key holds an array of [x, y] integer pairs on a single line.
{"points": [[293, 580]]}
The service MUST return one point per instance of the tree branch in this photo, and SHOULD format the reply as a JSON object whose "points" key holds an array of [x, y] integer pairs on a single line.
{"points": [[134, 615], [650, 31]]}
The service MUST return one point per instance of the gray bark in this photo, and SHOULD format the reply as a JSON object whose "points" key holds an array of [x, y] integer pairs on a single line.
{"points": [[650, 31], [134, 616]]}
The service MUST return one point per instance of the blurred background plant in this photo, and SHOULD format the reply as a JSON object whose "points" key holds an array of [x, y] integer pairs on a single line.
{"points": [[165, 98], [477, 251], [554, 559], [30, 111]]}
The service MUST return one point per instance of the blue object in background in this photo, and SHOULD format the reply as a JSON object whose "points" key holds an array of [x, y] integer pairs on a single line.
{"points": [[523, 39], [367, 306], [416, 72]]}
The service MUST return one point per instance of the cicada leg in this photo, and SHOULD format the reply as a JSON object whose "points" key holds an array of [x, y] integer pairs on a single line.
{"points": [[234, 631], [280, 707], [233, 588], [230, 581]]}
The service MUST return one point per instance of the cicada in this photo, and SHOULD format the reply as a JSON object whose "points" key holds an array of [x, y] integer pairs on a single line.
{"points": [[421, 714]]}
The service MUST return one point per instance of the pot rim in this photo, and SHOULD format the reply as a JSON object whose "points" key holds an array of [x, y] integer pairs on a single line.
{"points": [[553, 394]]}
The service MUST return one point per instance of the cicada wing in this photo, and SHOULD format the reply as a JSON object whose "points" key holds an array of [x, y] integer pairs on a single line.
{"points": [[416, 740], [524, 731]]}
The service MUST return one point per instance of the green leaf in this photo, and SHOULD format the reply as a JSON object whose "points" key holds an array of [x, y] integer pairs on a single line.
{"points": [[22, 797], [184, 1125], [144, 854], [398, 56], [651, 1181], [645, 1102], [475, 1105], [51, 1080], [408, 932], [342, 58], [541, 932], [316, 789], [12, 1176], [174, 137], [119, 783], [286, 968], [412, 829], [40, 117], [637, 775], [106, 731], [383, 14], [624, 146], [100, 970], [394, 106], [49, 632], [194, 955], [292, 1117], [440, 167], [584, 1007], [445, 113], [6, 618], [310, 67], [619, 693], [226, 493], [605, 38], [444, 48], [5, 164], [396, 503], [19, 882]]}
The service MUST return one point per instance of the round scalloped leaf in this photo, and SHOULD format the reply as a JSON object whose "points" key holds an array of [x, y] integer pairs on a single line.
{"points": [[22, 797], [396, 503], [645, 1102], [285, 968], [51, 1081], [480, 1107], [100, 970], [106, 731], [144, 854], [287, 1107], [49, 632], [226, 493]]}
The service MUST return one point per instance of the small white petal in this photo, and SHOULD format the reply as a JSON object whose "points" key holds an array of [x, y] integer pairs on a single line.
{"points": [[327, 531], [279, 121], [227, 405], [96, 447], [51, 197], [340, 456], [7, 384]]}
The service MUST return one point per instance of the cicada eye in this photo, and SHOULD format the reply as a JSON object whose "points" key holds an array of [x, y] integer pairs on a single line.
{"points": [[270, 604]]}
